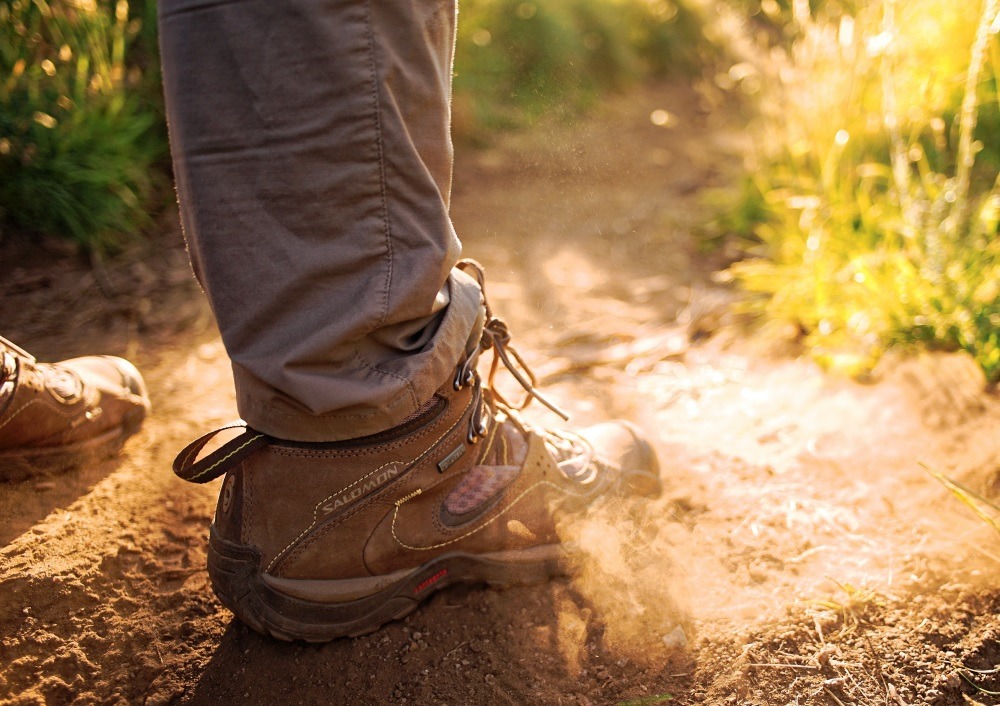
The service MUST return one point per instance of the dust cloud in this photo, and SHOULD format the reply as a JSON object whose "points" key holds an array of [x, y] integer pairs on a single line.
{"points": [[796, 493], [630, 578]]}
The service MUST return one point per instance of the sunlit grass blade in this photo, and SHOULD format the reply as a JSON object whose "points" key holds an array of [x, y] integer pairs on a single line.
{"points": [[968, 497], [876, 187]]}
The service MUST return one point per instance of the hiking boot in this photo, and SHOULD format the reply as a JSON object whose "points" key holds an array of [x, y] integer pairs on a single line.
{"points": [[55, 416], [315, 541]]}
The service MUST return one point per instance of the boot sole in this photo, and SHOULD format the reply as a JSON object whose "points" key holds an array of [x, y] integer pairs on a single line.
{"points": [[23, 463], [236, 577]]}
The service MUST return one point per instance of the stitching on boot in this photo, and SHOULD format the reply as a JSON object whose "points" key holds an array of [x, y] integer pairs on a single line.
{"points": [[40, 401], [358, 508], [325, 529], [352, 453], [481, 527], [315, 520], [226, 457]]}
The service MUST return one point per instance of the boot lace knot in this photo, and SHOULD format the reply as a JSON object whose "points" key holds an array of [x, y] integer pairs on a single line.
{"points": [[496, 338]]}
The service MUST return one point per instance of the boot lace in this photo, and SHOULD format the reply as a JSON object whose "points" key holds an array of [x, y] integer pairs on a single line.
{"points": [[64, 384], [486, 402], [574, 456]]}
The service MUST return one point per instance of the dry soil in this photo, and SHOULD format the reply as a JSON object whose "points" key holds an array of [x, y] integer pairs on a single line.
{"points": [[800, 555]]}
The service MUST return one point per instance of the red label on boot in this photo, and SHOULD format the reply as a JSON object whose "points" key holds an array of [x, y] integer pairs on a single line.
{"points": [[423, 585]]}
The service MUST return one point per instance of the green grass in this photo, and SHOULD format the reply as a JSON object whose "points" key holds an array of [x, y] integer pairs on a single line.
{"points": [[83, 140], [984, 508], [873, 182], [80, 141]]}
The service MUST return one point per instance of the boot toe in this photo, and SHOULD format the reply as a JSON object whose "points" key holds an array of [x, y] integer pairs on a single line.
{"points": [[628, 447], [124, 398], [131, 379]]}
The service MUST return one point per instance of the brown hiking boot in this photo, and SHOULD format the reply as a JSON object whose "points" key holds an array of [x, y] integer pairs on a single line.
{"points": [[54, 416], [317, 541]]}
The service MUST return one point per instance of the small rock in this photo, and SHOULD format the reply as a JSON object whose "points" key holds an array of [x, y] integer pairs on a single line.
{"points": [[757, 572], [675, 639], [824, 654], [952, 681]]}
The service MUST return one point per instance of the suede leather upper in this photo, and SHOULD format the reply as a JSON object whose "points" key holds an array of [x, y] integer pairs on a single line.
{"points": [[342, 511], [69, 405]]}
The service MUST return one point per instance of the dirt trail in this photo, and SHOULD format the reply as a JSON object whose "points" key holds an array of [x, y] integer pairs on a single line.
{"points": [[800, 556]]}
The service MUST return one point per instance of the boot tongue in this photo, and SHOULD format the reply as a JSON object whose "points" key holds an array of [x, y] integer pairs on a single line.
{"points": [[497, 470], [509, 447]]}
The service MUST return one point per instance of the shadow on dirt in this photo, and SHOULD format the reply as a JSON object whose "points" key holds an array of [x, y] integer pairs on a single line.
{"points": [[24, 503], [520, 645]]}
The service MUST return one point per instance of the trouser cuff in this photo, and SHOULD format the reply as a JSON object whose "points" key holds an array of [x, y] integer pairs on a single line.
{"points": [[398, 387]]}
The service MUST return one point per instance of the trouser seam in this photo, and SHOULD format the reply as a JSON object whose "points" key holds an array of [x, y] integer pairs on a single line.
{"points": [[379, 146], [376, 369]]}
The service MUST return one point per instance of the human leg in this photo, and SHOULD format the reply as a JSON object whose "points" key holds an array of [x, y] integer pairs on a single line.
{"points": [[352, 495], [319, 541], [313, 163]]}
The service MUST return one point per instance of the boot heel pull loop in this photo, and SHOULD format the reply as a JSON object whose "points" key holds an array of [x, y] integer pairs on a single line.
{"points": [[189, 467]]}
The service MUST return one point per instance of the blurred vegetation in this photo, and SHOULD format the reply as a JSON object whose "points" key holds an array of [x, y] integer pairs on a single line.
{"points": [[82, 138], [81, 129], [872, 174], [870, 206], [517, 60]]}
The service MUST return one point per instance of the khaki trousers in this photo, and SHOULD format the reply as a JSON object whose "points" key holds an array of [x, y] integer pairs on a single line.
{"points": [[313, 163]]}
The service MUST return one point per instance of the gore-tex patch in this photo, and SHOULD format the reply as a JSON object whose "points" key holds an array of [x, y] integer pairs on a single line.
{"points": [[448, 461]]}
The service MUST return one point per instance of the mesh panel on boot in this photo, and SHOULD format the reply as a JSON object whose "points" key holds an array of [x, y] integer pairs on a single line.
{"points": [[479, 485], [498, 470]]}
